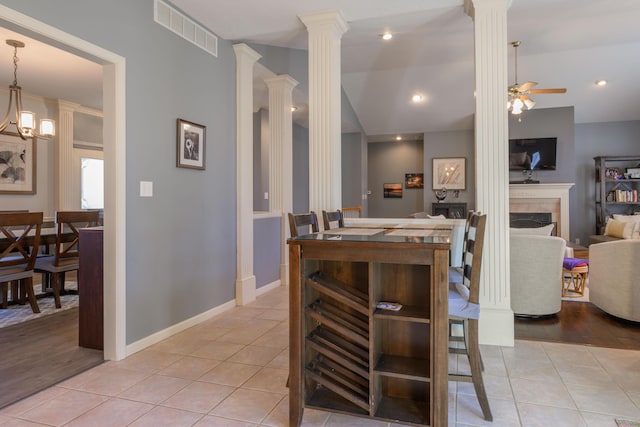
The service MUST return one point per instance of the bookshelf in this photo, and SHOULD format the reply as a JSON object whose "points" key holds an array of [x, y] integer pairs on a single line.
{"points": [[616, 192]]}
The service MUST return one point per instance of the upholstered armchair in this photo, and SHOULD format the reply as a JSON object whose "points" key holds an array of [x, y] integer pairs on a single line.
{"points": [[614, 269], [536, 274]]}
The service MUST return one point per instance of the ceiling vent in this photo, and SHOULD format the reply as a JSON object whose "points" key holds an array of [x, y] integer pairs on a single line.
{"points": [[185, 27]]}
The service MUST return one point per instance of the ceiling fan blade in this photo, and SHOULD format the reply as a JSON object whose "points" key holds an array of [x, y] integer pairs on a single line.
{"points": [[526, 86], [557, 90]]}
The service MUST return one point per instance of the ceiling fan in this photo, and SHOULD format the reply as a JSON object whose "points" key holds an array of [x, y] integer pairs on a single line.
{"points": [[519, 99]]}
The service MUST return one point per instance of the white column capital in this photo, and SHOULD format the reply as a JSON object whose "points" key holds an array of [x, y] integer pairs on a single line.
{"points": [[470, 6], [332, 21], [243, 51], [67, 106], [282, 81]]}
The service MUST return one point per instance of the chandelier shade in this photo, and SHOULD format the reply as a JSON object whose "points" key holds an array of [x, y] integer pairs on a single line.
{"points": [[23, 121]]}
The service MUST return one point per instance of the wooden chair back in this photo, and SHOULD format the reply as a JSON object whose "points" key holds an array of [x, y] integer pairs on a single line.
{"points": [[333, 216], [299, 220], [20, 235], [472, 254], [352, 212], [67, 234]]}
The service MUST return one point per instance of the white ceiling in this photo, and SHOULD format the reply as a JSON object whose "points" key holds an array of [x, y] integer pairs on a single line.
{"points": [[565, 43]]}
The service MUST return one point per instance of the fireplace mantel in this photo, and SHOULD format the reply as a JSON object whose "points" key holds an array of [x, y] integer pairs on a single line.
{"points": [[552, 198]]}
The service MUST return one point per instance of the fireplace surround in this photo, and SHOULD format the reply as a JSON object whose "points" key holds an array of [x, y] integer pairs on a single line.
{"points": [[543, 198]]}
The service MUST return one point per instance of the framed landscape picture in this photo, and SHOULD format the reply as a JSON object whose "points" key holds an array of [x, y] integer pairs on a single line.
{"points": [[392, 191], [413, 180], [449, 173], [17, 164], [190, 145]]}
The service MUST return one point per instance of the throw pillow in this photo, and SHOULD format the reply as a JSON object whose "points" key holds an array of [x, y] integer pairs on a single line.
{"points": [[620, 229], [540, 231], [635, 234]]}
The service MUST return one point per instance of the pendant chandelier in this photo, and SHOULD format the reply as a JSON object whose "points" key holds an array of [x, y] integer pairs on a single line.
{"points": [[23, 121]]}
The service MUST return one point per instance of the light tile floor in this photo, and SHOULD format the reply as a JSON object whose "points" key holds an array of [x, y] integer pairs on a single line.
{"points": [[231, 371]]}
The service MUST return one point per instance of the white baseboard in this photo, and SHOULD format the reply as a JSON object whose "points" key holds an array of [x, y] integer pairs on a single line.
{"points": [[178, 327], [268, 287]]}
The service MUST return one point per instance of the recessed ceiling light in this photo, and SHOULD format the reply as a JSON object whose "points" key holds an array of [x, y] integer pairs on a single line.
{"points": [[293, 108], [398, 138], [417, 97], [386, 36], [601, 82]]}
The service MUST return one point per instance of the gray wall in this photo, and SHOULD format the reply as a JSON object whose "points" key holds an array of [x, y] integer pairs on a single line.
{"points": [[450, 144], [547, 123], [597, 139], [260, 160], [388, 162], [352, 169], [181, 242], [266, 259], [300, 137]]}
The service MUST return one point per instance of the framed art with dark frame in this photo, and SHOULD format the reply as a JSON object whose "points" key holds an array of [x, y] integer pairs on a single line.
{"points": [[191, 145], [17, 164], [449, 173]]}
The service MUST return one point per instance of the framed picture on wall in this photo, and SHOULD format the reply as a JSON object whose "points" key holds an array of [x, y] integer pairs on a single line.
{"points": [[413, 180], [191, 144], [17, 164], [449, 173], [392, 191]]}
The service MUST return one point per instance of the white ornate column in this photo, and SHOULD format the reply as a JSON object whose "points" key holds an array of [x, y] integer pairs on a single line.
{"points": [[65, 173], [245, 280], [281, 159], [492, 168], [325, 173]]}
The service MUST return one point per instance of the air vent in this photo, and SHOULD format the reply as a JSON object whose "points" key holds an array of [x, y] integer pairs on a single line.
{"points": [[185, 27]]}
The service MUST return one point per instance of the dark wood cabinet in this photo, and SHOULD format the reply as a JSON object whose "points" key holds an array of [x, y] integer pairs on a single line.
{"points": [[450, 210], [90, 289], [347, 355]]}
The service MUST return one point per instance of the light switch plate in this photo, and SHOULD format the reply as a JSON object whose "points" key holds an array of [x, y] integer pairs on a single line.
{"points": [[146, 189]]}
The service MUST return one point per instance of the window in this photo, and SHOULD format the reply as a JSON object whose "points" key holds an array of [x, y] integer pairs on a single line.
{"points": [[92, 183]]}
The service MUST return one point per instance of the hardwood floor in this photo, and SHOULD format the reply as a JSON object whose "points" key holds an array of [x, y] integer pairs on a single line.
{"points": [[581, 323], [41, 352]]}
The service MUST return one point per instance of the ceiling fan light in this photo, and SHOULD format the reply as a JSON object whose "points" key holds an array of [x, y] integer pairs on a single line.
{"points": [[529, 103], [518, 104]]}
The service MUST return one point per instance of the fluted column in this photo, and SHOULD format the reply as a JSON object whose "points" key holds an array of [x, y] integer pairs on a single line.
{"points": [[492, 167], [245, 280], [281, 159], [325, 173], [65, 170]]}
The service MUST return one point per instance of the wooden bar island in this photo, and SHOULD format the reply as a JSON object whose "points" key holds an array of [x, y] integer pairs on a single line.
{"points": [[351, 357]]}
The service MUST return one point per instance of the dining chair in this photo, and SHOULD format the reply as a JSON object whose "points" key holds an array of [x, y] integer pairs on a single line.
{"points": [[464, 308], [67, 251], [352, 212], [332, 216], [303, 220], [20, 236]]}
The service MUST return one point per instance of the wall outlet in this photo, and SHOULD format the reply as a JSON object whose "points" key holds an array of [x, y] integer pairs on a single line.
{"points": [[577, 240], [266, 196]]}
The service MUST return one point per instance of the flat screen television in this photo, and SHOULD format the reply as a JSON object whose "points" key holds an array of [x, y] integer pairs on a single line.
{"points": [[532, 154]]}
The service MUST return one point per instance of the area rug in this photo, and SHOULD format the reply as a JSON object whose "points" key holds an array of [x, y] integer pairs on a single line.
{"points": [[21, 313], [626, 423]]}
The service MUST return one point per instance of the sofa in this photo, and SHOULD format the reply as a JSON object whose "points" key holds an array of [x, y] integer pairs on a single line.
{"points": [[617, 228], [614, 284], [536, 274]]}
